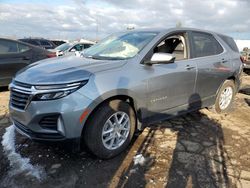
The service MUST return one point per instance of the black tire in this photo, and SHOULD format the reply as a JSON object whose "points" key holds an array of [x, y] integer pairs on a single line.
{"points": [[92, 135], [216, 108]]}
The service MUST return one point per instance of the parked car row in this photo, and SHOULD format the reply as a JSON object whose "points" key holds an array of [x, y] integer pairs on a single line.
{"points": [[43, 43], [70, 48], [16, 54]]}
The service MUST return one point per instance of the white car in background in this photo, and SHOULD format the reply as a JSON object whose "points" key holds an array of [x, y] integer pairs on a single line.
{"points": [[68, 49]]}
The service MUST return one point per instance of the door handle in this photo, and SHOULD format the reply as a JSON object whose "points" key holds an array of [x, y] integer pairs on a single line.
{"points": [[188, 67]]}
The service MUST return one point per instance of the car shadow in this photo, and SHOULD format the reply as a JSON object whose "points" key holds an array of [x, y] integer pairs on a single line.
{"points": [[247, 101], [247, 71], [245, 90], [198, 159]]}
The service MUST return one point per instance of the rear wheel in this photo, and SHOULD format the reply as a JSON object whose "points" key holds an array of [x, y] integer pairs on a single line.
{"points": [[225, 97], [110, 129]]}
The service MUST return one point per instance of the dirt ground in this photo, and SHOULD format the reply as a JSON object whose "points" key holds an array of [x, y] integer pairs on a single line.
{"points": [[201, 149]]}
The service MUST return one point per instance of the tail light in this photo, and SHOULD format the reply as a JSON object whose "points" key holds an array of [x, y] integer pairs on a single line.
{"points": [[49, 55]]}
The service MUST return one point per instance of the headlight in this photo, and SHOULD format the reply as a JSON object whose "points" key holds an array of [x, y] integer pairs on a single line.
{"points": [[52, 92]]}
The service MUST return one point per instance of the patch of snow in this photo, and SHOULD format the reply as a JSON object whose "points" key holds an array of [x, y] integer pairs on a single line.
{"points": [[139, 159], [132, 171], [18, 163]]}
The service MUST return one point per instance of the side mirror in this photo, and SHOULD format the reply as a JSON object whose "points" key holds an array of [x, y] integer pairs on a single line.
{"points": [[161, 58], [73, 50]]}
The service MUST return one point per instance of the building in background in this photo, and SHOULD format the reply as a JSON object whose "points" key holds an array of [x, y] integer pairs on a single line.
{"points": [[242, 44], [242, 39]]}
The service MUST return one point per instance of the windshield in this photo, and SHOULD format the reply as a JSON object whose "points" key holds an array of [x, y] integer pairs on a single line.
{"points": [[63, 47], [120, 46]]}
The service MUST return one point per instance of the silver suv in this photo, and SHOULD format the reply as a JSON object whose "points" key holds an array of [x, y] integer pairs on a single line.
{"points": [[123, 83]]}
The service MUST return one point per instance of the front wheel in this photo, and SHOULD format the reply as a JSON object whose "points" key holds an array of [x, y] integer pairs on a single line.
{"points": [[225, 97], [110, 129]]}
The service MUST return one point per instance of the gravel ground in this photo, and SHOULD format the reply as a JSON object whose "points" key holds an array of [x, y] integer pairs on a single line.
{"points": [[201, 149]]}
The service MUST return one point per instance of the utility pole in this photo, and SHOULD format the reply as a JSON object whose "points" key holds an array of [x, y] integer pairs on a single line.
{"points": [[178, 24], [97, 28]]}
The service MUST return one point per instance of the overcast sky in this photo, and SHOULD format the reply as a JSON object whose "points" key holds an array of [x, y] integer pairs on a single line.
{"points": [[73, 19]]}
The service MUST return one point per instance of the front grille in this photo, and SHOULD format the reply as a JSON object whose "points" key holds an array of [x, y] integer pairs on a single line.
{"points": [[49, 122], [19, 99], [22, 84]]}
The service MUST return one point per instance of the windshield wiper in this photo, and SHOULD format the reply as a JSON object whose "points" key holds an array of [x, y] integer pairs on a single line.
{"points": [[103, 57], [96, 57], [92, 57]]}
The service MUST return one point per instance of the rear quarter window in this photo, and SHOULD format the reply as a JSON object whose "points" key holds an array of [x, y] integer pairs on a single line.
{"points": [[87, 45], [205, 44], [45, 43], [230, 42], [7, 46], [33, 42], [23, 48]]}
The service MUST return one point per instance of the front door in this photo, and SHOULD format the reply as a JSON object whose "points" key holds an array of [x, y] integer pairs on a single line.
{"points": [[171, 86]]}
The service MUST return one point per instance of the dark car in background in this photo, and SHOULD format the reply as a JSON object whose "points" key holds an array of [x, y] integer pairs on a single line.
{"points": [[58, 42], [15, 55], [43, 43]]}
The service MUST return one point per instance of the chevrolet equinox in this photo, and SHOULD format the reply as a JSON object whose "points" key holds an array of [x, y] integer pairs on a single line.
{"points": [[124, 82]]}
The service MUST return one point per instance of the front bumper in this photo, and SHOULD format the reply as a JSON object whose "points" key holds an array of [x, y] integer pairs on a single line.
{"points": [[67, 110], [24, 130]]}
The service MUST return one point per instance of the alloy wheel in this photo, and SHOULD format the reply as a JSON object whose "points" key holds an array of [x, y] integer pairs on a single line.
{"points": [[116, 130]]}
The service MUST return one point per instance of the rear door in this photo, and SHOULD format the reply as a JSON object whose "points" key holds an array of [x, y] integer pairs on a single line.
{"points": [[213, 63], [13, 57]]}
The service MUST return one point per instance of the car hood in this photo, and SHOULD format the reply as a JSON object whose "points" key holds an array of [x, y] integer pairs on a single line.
{"points": [[64, 70]]}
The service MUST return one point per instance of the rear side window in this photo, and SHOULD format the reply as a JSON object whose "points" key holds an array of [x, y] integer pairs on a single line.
{"points": [[230, 42], [205, 44], [87, 45], [45, 43], [7, 46], [22, 48], [33, 42], [78, 47]]}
